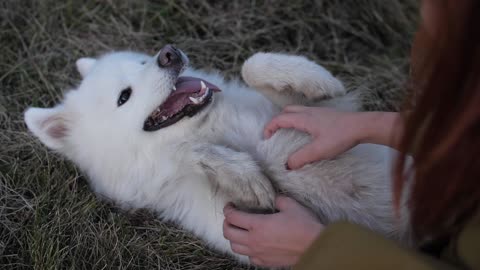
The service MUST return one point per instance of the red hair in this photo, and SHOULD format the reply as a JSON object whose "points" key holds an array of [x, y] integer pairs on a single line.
{"points": [[442, 131]]}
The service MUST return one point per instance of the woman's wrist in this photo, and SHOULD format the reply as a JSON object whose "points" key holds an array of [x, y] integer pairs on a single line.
{"points": [[311, 234], [378, 127]]}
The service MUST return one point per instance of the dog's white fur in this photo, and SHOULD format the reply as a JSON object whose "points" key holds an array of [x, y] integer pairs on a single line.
{"points": [[187, 172]]}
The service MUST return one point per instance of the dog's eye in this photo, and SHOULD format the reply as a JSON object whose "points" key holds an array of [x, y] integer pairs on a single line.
{"points": [[124, 96], [143, 62]]}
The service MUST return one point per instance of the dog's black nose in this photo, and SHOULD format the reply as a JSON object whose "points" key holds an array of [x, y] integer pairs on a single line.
{"points": [[169, 56]]}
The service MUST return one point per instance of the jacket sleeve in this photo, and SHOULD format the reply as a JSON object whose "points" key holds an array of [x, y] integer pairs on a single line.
{"points": [[348, 246]]}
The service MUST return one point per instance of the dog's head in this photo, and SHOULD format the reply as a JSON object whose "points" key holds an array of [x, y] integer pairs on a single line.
{"points": [[124, 98]]}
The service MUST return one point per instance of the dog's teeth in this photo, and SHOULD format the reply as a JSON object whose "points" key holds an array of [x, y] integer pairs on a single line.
{"points": [[202, 85], [164, 118], [195, 100], [204, 94], [174, 88]]}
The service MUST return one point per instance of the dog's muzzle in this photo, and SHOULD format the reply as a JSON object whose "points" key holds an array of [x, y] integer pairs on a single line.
{"points": [[171, 57]]}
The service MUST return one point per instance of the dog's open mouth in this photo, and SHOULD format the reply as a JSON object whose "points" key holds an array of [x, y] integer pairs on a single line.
{"points": [[189, 97]]}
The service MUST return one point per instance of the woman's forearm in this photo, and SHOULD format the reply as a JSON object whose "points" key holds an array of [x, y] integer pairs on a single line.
{"points": [[334, 132], [384, 128]]}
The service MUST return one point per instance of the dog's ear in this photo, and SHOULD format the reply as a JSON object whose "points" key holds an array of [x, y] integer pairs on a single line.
{"points": [[84, 65], [49, 125]]}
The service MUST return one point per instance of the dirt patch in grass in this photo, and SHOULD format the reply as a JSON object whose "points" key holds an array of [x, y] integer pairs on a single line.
{"points": [[49, 218]]}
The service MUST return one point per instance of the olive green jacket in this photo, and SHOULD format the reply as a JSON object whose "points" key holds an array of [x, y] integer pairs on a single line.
{"points": [[347, 246]]}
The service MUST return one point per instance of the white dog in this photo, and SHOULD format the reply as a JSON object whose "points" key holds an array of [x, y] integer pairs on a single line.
{"points": [[184, 146]]}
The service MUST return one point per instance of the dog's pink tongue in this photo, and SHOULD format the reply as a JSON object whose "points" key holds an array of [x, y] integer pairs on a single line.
{"points": [[191, 85], [186, 87]]}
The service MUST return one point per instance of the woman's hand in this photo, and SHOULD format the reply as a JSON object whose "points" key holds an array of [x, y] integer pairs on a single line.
{"points": [[273, 240], [334, 132]]}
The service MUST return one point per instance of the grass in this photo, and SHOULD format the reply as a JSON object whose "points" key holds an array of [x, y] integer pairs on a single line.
{"points": [[49, 218]]}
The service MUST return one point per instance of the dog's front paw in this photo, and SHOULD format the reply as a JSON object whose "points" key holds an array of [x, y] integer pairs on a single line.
{"points": [[237, 175], [258, 193], [244, 184]]}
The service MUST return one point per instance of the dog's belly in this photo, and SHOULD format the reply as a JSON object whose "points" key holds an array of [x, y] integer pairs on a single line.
{"points": [[240, 116], [355, 186]]}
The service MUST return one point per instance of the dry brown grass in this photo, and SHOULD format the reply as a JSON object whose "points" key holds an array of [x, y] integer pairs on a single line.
{"points": [[49, 218]]}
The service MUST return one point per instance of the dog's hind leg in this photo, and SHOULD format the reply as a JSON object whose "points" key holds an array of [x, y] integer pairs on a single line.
{"points": [[288, 79], [237, 175]]}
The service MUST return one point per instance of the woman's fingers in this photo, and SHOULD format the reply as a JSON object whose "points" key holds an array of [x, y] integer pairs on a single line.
{"points": [[238, 218], [276, 261], [284, 120], [294, 109], [235, 234], [241, 249], [257, 261], [284, 203]]}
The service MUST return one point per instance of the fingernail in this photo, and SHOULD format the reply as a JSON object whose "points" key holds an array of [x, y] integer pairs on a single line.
{"points": [[228, 206]]}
